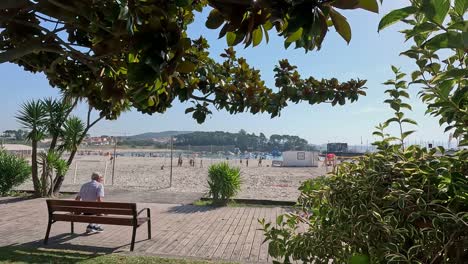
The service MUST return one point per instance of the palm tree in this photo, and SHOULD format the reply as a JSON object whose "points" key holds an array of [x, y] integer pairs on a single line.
{"points": [[33, 117], [51, 117], [57, 114]]}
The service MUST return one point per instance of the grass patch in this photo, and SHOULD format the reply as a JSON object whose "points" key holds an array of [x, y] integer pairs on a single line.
{"points": [[20, 194], [41, 255]]}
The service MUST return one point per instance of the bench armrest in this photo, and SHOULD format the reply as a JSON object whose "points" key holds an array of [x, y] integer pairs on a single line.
{"points": [[148, 211]]}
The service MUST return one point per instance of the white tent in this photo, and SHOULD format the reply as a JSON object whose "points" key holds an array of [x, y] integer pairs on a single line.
{"points": [[300, 159]]}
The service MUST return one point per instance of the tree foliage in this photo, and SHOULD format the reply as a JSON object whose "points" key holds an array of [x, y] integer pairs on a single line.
{"points": [[398, 105], [13, 171], [400, 204], [242, 140], [52, 119], [392, 206], [438, 29], [137, 53]]}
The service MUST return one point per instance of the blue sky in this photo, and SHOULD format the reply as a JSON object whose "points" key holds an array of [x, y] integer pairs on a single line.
{"points": [[368, 56]]}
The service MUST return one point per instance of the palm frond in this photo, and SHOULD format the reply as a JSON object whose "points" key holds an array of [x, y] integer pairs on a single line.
{"points": [[73, 130], [32, 116]]}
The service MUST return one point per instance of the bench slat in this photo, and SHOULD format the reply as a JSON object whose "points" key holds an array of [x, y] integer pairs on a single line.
{"points": [[92, 210], [93, 219], [53, 203]]}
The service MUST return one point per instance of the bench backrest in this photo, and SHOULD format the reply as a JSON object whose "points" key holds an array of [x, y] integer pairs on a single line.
{"points": [[85, 207]]}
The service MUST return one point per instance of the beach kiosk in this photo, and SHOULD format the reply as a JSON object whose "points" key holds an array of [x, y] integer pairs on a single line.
{"points": [[300, 159]]}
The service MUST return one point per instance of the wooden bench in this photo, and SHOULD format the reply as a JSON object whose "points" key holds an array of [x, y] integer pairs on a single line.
{"points": [[108, 213]]}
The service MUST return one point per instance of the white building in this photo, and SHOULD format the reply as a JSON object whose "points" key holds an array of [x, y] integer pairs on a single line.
{"points": [[300, 159]]}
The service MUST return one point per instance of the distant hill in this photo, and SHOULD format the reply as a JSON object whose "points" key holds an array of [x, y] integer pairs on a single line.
{"points": [[163, 134]]}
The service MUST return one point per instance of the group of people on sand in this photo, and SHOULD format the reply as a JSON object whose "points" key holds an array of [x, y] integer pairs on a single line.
{"points": [[180, 162], [260, 159]]}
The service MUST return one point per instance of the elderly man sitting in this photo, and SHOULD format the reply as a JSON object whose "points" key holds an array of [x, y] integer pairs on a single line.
{"points": [[92, 191]]}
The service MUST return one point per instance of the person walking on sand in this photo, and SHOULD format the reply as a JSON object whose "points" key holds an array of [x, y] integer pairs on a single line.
{"points": [[179, 162], [92, 191], [260, 161]]}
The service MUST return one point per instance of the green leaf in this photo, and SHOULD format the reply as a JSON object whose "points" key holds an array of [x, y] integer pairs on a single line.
{"points": [[370, 5], [405, 105], [394, 69], [346, 4], [421, 29], [377, 133], [460, 25], [408, 120], [459, 95], [215, 19], [341, 25], [452, 40], [407, 133], [395, 16], [279, 219], [189, 110], [257, 36], [150, 101], [436, 10], [186, 67], [230, 38], [411, 54], [294, 36], [446, 87], [393, 119], [403, 93], [415, 75], [461, 6], [452, 73]]}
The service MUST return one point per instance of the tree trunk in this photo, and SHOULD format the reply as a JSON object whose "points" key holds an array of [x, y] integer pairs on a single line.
{"points": [[34, 172], [60, 178]]}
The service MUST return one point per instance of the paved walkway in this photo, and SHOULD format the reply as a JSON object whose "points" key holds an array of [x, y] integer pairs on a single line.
{"points": [[226, 233]]}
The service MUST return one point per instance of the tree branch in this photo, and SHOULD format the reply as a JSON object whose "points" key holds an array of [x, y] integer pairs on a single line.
{"points": [[49, 20], [17, 53], [202, 99]]}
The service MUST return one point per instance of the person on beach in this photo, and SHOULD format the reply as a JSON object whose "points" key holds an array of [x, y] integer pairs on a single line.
{"points": [[260, 162], [247, 162], [179, 162], [92, 191]]}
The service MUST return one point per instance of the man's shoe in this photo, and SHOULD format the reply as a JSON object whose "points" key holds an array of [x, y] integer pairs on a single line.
{"points": [[98, 229], [90, 230]]}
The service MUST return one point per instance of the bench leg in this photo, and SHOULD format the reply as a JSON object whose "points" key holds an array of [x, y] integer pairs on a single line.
{"points": [[132, 245], [46, 239], [149, 229], [72, 226]]}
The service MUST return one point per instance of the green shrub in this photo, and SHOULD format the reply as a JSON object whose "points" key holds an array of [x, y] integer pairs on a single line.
{"points": [[13, 171], [224, 181], [392, 206]]}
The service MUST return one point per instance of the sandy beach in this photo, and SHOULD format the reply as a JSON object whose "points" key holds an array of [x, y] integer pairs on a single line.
{"points": [[266, 182]]}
